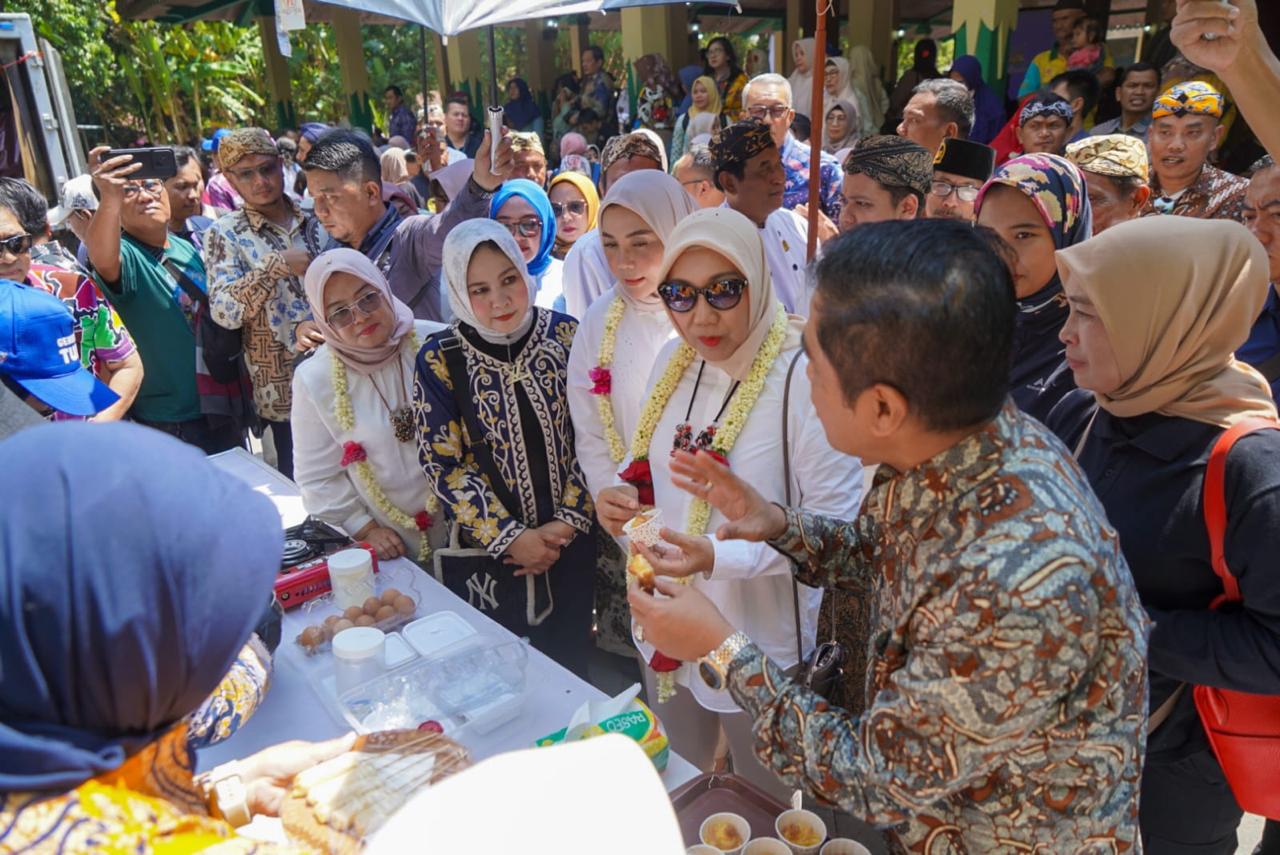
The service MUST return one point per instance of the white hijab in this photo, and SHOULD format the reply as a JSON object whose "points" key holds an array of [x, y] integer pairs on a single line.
{"points": [[725, 231], [802, 84], [459, 246], [657, 199]]}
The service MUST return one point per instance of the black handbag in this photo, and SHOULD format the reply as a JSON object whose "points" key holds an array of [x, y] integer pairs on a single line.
{"points": [[485, 582], [822, 671]]}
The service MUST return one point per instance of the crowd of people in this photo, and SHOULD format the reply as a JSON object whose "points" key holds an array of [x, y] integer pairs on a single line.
{"points": [[968, 441]]}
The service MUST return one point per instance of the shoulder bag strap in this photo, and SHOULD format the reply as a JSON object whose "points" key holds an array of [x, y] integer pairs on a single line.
{"points": [[1215, 503], [786, 491], [456, 363]]}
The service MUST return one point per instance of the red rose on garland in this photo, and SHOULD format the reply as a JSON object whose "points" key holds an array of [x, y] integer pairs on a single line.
{"points": [[352, 452], [602, 380], [716, 456], [661, 663], [639, 475], [422, 520]]}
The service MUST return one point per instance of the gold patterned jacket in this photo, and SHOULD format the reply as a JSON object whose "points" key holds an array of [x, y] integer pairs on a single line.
{"points": [[1007, 684], [445, 446]]}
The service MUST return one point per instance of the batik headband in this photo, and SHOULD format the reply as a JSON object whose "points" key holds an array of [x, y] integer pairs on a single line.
{"points": [[892, 162], [1114, 155], [1035, 108], [1186, 99], [740, 142]]}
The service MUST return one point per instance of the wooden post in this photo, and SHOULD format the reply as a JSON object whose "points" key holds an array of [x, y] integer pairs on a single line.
{"points": [[278, 84], [355, 77], [579, 38], [815, 138]]}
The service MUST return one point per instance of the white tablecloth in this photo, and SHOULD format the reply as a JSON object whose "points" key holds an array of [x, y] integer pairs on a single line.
{"points": [[293, 710]]}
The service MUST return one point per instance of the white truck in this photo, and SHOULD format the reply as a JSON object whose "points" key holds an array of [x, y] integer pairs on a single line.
{"points": [[39, 138]]}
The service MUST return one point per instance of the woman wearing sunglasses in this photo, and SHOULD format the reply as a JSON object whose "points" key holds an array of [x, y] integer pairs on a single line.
{"points": [[722, 388], [521, 496], [523, 208], [574, 202], [354, 455], [613, 352]]}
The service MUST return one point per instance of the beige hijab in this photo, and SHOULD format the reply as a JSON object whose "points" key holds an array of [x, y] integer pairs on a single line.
{"points": [[1177, 296], [362, 360], [732, 235], [657, 199]]}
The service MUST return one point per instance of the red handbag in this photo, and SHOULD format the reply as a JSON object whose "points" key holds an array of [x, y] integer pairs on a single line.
{"points": [[1244, 729]]}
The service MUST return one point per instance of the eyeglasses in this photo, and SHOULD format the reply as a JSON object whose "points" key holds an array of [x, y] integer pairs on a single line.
{"points": [[965, 193], [528, 227], [267, 170], [150, 186], [777, 111], [575, 208], [721, 295], [695, 181], [346, 316], [16, 245]]}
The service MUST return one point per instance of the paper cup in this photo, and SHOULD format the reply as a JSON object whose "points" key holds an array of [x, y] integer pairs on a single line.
{"points": [[844, 846], [644, 527], [794, 823], [766, 846], [712, 828], [702, 849]]}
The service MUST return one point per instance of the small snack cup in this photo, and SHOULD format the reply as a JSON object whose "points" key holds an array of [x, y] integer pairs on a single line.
{"points": [[844, 846], [702, 849], [802, 830], [720, 830], [766, 846], [644, 527]]}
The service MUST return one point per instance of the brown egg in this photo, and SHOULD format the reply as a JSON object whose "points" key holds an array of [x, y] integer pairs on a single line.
{"points": [[341, 625], [405, 605], [386, 613], [365, 620], [312, 636], [372, 605], [353, 612], [330, 621], [390, 596]]}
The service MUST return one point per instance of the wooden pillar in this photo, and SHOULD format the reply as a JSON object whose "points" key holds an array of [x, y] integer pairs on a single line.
{"points": [[982, 28], [871, 25], [792, 32], [684, 48], [443, 80], [644, 30], [467, 70], [579, 38], [355, 77], [277, 66], [540, 55]]}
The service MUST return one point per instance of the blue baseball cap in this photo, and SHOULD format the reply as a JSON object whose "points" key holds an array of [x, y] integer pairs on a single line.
{"points": [[39, 351], [211, 144]]}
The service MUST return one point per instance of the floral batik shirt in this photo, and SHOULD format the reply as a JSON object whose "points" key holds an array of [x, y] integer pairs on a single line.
{"points": [[795, 162], [1007, 683], [99, 331], [540, 368], [1216, 195], [252, 289]]}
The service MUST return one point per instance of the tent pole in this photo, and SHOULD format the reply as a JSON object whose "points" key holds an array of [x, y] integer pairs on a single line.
{"points": [[816, 123], [493, 70], [422, 65]]}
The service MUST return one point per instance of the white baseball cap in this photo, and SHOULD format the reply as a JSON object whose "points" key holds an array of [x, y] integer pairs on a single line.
{"points": [[77, 195]]}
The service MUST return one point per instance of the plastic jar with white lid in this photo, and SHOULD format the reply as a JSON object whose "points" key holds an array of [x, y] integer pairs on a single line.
{"points": [[359, 655], [351, 576]]}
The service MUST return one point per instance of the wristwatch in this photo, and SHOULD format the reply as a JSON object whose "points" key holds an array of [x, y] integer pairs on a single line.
{"points": [[225, 793], [714, 667]]}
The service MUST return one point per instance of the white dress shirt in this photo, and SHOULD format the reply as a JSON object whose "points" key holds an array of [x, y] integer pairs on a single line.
{"points": [[751, 583], [640, 336], [586, 274], [551, 288], [786, 248], [336, 494]]}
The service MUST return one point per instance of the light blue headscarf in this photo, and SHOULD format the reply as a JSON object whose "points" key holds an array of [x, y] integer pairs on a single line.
{"points": [[132, 571], [536, 197]]}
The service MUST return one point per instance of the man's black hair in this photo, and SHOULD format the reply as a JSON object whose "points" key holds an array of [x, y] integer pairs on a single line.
{"points": [[897, 194], [184, 154], [939, 285], [596, 51], [347, 152], [457, 98], [1137, 68], [1081, 84], [801, 128], [25, 203], [396, 89]]}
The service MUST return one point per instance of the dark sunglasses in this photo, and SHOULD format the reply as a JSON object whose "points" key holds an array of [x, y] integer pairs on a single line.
{"points": [[575, 208], [722, 294], [524, 228], [965, 193], [16, 245], [346, 316]]}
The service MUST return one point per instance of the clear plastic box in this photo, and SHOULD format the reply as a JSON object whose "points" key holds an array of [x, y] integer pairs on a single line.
{"points": [[475, 684]]}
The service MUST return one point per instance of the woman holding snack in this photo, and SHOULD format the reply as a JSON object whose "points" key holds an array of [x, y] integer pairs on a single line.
{"points": [[355, 455], [517, 492], [722, 388], [126, 647], [613, 353]]}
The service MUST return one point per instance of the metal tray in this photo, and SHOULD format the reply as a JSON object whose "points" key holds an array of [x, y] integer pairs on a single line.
{"points": [[712, 793]]}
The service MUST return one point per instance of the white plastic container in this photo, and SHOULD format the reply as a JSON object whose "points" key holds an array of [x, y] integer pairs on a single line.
{"points": [[351, 575], [359, 655], [437, 632]]}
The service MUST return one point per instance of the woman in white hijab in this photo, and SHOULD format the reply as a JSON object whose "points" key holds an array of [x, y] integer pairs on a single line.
{"points": [[518, 492], [802, 78], [354, 393], [864, 80], [836, 88], [613, 352], [727, 387]]}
